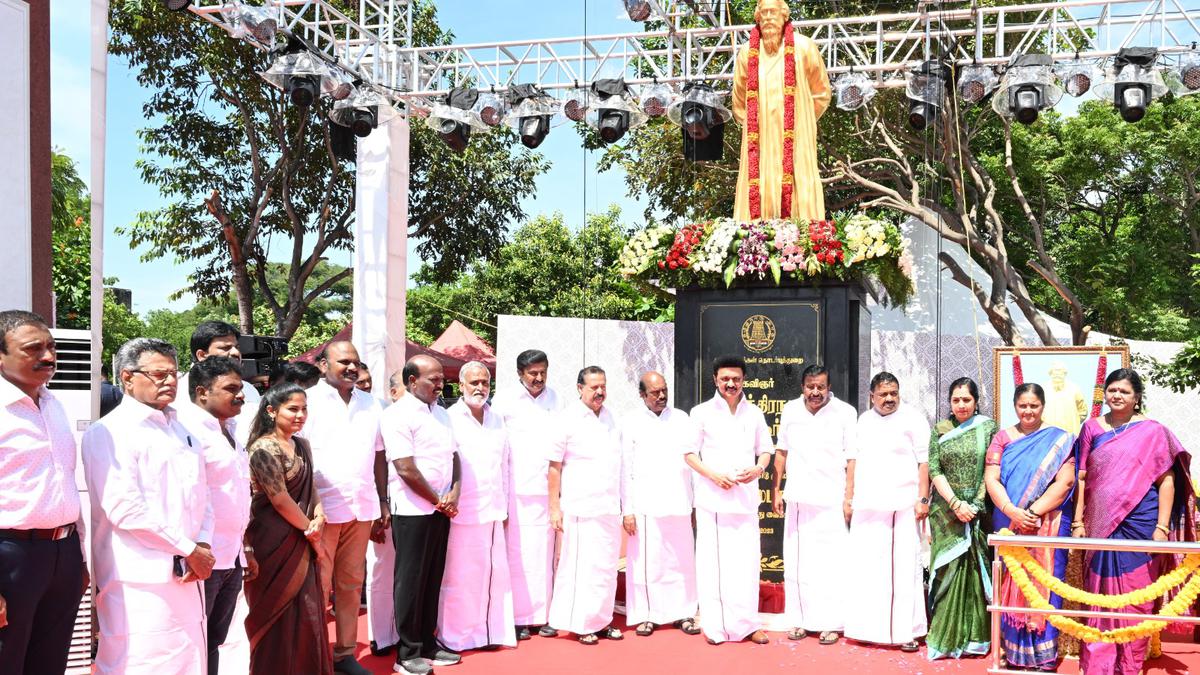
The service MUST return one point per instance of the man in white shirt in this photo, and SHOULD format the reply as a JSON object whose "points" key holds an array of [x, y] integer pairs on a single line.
{"points": [[381, 562], [584, 482], [733, 449], [816, 436], [530, 413], [476, 600], [151, 522], [350, 474], [421, 446], [887, 490], [217, 338], [660, 566], [42, 569], [216, 399]]}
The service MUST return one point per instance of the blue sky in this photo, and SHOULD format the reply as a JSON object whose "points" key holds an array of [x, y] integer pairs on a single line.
{"points": [[572, 172]]}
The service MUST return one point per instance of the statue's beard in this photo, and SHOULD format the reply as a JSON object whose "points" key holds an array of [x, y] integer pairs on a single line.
{"points": [[771, 33]]}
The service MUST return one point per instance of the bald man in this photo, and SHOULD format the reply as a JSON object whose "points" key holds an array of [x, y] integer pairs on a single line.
{"points": [[421, 447], [351, 479], [657, 508]]}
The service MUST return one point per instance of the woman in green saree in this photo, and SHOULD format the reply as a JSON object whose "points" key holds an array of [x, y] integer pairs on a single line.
{"points": [[959, 578]]}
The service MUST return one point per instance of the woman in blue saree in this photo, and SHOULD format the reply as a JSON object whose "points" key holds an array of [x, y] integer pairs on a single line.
{"points": [[1030, 474]]}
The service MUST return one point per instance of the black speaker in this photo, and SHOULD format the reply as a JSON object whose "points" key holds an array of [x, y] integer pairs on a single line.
{"points": [[711, 149], [262, 347]]}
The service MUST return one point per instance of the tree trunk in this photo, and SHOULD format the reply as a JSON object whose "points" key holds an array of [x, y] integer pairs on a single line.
{"points": [[241, 276]]}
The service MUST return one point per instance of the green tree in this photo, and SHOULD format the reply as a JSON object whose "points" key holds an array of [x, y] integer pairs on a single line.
{"points": [[71, 243], [546, 270], [120, 324], [250, 179]]}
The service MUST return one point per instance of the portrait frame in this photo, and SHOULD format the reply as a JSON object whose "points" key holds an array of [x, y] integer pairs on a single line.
{"points": [[1081, 363]]}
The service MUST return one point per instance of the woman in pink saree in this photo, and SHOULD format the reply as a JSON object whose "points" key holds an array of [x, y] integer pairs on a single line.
{"points": [[1133, 484]]}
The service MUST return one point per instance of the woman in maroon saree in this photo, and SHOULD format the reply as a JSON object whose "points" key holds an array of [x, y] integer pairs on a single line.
{"points": [[285, 623], [1134, 485]]}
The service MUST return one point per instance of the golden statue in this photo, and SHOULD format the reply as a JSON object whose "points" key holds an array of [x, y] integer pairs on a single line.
{"points": [[1065, 406], [759, 196]]}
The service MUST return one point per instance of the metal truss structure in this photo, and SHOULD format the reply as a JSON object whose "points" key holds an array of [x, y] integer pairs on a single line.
{"points": [[690, 40]]}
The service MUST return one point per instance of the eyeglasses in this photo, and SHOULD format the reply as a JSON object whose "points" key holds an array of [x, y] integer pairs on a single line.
{"points": [[159, 376]]}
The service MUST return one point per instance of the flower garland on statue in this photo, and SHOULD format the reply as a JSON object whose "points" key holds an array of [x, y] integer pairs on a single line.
{"points": [[789, 124], [1098, 391], [1017, 560]]}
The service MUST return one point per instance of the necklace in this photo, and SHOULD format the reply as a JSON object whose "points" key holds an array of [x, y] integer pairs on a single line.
{"points": [[789, 124]]}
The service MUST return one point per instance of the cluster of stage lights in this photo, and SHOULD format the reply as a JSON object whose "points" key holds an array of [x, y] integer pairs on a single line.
{"points": [[1131, 80]]}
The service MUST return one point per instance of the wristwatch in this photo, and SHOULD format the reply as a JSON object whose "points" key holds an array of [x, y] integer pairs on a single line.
{"points": [[925, 501]]}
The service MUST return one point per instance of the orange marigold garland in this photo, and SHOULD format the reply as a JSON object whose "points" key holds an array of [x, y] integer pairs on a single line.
{"points": [[789, 124], [1098, 390]]}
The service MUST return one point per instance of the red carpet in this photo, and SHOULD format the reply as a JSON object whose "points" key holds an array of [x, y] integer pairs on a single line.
{"points": [[670, 652]]}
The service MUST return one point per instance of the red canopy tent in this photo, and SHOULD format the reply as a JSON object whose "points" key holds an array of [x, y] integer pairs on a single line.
{"points": [[462, 343], [449, 364]]}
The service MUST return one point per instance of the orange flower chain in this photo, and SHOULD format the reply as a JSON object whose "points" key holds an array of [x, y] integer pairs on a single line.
{"points": [[789, 124]]}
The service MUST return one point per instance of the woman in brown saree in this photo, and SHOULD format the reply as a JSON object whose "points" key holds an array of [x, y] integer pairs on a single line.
{"points": [[285, 623]]}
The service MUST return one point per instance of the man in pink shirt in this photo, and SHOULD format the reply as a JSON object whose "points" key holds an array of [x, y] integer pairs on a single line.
{"points": [[42, 572]]}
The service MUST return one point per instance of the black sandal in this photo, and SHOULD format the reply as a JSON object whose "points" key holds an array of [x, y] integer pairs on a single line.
{"points": [[611, 633], [797, 634], [644, 629], [589, 639], [688, 626], [829, 637], [910, 647]]}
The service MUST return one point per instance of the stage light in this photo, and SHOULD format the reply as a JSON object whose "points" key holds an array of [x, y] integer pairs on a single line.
{"points": [[701, 115], [1028, 87], [575, 106], [257, 23], [490, 108], [1076, 76], [530, 113], [455, 119], [611, 110], [656, 99], [926, 89], [298, 74], [363, 112], [177, 5], [853, 91], [1184, 78], [1132, 82], [638, 10], [975, 83]]}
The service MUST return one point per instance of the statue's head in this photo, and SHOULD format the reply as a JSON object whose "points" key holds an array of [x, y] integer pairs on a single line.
{"points": [[771, 16]]}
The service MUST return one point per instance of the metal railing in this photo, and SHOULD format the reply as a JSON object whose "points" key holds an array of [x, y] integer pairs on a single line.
{"points": [[1081, 544]]}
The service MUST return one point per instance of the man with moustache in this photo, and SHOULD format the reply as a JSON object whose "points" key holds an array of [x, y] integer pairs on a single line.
{"points": [[887, 498], [530, 412], [657, 507], [151, 522], [584, 482], [381, 559], [475, 609], [350, 474], [42, 568], [816, 436], [421, 446], [733, 449], [216, 399]]}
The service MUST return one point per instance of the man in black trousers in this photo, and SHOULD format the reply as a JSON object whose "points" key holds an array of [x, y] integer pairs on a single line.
{"points": [[420, 446], [42, 570]]}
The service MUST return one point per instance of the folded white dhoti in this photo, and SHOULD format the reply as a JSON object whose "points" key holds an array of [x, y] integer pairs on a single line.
{"points": [[728, 561], [530, 542], [381, 608], [475, 607], [814, 565], [660, 569], [155, 629], [886, 600], [585, 584]]}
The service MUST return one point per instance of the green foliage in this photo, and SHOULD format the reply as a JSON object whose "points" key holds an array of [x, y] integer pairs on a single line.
{"points": [[546, 270], [120, 325], [70, 241]]}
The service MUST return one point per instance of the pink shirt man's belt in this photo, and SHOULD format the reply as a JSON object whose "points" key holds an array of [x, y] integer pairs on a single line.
{"points": [[53, 534]]}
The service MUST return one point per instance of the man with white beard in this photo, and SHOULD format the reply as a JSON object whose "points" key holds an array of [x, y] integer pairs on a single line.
{"points": [[476, 598], [530, 414], [657, 504]]}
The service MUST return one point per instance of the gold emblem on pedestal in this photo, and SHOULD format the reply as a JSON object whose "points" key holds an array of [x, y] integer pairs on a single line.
{"points": [[758, 333]]}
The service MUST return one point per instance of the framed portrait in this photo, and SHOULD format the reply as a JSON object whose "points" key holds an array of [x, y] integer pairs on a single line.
{"points": [[1067, 374]]}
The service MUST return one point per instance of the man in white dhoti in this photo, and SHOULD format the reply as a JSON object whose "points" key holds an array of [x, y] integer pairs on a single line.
{"points": [[530, 413], [733, 449], [151, 522], [887, 501], [476, 600], [381, 559], [816, 436], [660, 564], [584, 482]]}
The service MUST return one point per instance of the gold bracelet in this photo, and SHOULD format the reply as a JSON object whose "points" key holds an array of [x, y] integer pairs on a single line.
{"points": [[1163, 528]]}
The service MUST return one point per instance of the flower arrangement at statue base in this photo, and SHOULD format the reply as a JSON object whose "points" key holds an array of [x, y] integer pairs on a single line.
{"points": [[1021, 566], [725, 252]]}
